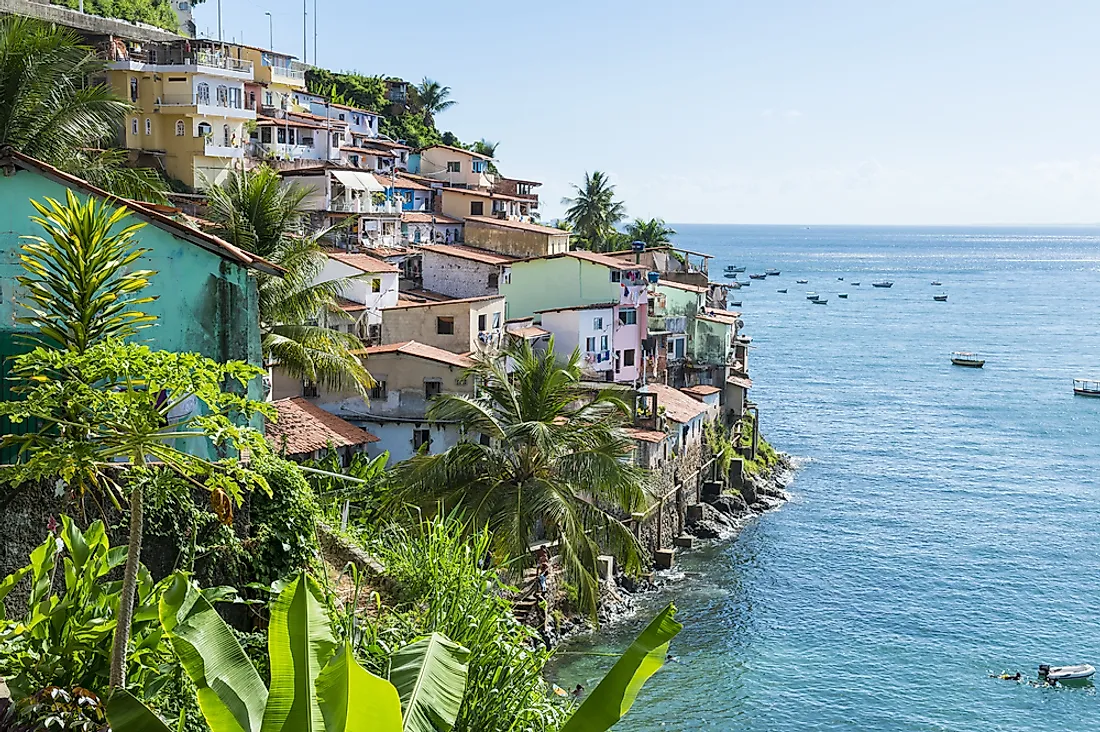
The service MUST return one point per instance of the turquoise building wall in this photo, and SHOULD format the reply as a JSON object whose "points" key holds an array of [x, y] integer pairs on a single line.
{"points": [[541, 284]]}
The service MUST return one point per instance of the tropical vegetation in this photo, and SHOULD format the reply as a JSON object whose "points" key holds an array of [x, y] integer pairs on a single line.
{"points": [[49, 110], [593, 213], [255, 211], [653, 232], [430, 98], [153, 12]]}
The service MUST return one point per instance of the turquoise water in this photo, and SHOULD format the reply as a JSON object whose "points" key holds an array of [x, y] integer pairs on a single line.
{"points": [[944, 523]]}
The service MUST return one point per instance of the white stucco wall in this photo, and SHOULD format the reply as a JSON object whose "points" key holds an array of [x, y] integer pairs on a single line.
{"points": [[573, 328]]}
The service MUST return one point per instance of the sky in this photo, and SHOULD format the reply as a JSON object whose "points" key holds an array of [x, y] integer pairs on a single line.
{"points": [[767, 112]]}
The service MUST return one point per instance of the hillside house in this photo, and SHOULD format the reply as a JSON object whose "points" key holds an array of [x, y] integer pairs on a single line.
{"points": [[459, 326]]}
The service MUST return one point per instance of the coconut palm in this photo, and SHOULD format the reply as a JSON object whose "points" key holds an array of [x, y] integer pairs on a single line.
{"points": [[489, 149], [254, 210], [432, 99], [556, 463], [593, 212], [653, 232], [50, 112]]}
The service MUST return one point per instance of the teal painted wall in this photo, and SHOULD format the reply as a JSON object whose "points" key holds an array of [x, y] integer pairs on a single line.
{"points": [[541, 284], [206, 304]]}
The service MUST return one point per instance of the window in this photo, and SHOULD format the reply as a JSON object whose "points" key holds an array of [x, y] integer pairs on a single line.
{"points": [[628, 316], [180, 129], [482, 321], [422, 438], [223, 95], [454, 166], [478, 166], [205, 130], [496, 320], [628, 357], [202, 93], [378, 391], [133, 89], [494, 280], [235, 96], [376, 285], [269, 99], [341, 116], [281, 134], [445, 326], [356, 119], [590, 344], [148, 126], [477, 208], [615, 275], [309, 389], [184, 6], [432, 389], [484, 440], [225, 135], [265, 135], [597, 323], [252, 100], [134, 125], [603, 343]]}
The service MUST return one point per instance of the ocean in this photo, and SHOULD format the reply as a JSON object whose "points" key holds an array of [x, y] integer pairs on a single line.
{"points": [[944, 521]]}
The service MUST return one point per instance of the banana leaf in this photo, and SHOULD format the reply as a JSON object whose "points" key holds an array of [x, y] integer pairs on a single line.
{"points": [[430, 677], [300, 644], [231, 693], [615, 694], [355, 700], [127, 714]]}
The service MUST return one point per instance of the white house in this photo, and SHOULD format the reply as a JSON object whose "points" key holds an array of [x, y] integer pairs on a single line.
{"points": [[589, 328], [372, 287]]}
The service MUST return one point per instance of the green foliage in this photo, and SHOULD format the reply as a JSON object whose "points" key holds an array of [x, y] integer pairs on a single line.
{"points": [[365, 500], [554, 467], [653, 232], [429, 98], [49, 111], [153, 12], [430, 678], [62, 639], [766, 456], [593, 212], [722, 444], [80, 287], [284, 522]]}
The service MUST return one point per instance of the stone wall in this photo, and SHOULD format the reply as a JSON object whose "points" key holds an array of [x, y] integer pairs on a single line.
{"points": [[457, 277], [668, 521]]}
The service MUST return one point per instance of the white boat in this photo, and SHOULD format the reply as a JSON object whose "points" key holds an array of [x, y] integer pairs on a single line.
{"points": [[970, 360], [772, 272], [758, 276], [855, 284], [735, 303], [936, 283], [731, 268], [801, 282], [1087, 387], [820, 301], [1066, 673], [812, 296]]}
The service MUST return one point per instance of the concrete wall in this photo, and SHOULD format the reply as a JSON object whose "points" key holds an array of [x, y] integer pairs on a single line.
{"points": [[712, 342], [558, 282], [360, 287], [457, 276], [573, 328], [455, 202], [512, 241], [399, 437], [421, 323]]}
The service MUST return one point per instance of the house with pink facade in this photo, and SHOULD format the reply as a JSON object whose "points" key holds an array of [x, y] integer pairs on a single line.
{"points": [[607, 335]]}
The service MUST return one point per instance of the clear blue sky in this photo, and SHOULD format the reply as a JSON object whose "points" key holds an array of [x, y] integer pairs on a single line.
{"points": [[937, 111]]}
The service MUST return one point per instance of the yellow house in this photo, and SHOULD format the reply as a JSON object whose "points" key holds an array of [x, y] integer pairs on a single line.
{"points": [[455, 167], [278, 79], [190, 109]]}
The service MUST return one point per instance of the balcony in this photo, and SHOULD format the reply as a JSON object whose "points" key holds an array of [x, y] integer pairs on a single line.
{"points": [[204, 107], [175, 61], [358, 205], [293, 75], [281, 151], [214, 150]]}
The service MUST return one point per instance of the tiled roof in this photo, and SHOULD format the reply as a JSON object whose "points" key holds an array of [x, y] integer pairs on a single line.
{"points": [[142, 211], [425, 217], [681, 286], [724, 313], [304, 427], [420, 350], [401, 182], [362, 262], [593, 257], [349, 306], [520, 225], [701, 390], [654, 436], [743, 381], [590, 306], [471, 253], [471, 153], [366, 151], [679, 407], [529, 331], [449, 301], [714, 318]]}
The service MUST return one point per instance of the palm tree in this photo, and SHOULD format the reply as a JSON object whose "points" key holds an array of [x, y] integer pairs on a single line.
{"points": [[593, 211], [653, 232], [50, 112], [253, 210], [489, 149], [432, 99], [555, 461]]}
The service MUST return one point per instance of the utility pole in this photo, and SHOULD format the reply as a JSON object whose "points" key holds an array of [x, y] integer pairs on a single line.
{"points": [[270, 32], [314, 34], [220, 39], [305, 34]]}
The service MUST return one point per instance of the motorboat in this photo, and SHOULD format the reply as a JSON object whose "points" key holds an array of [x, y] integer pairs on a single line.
{"points": [[801, 282], [1080, 672], [812, 296], [737, 285], [782, 292], [940, 298], [839, 279], [843, 295], [758, 276], [970, 360], [820, 301], [772, 272], [936, 283], [731, 268], [730, 275], [884, 283], [855, 284], [1087, 387], [746, 283], [735, 303]]}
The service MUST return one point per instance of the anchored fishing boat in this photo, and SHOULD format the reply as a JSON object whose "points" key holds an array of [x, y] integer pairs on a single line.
{"points": [[884, 283], [731, 268], [801, 282], [843, 296], [820, 301], [735, 303], [782, 292], [1086, 387], [970, 360], [855, 284], [936, 283], [812, 296], [730, 275], [758, 276], [772, 272], [940, 298]]}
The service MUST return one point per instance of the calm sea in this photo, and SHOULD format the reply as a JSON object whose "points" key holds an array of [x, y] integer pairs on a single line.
{"points": [[945, 524]]}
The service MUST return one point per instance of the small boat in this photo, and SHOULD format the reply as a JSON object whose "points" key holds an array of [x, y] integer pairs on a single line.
{"points": [[782, 292], [735, 285], [840, 279], [855, 284], [843, 296], [940, 298], [1087, 387], [812, 296], [758, 276], [731, 268], [1066, 673], [735, 303], [801, 282], [743, 284], [730, 275], [772, 272], [936, 283], [820, 302], [970, 360], [884, 283]]}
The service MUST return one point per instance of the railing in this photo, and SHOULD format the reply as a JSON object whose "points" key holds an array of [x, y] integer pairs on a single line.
{"points": [[215, 150], [185, 100], [286, 73], [358, 205], [216, 61]]}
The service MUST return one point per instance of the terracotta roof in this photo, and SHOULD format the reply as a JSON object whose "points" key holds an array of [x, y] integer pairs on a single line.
{"points": [[335, 122], [471, 153], [401, 182], [714, 318], [681, 286], [679, 407], [590, 306], [362, 262], [419, 294], [449, 301], [471, 253], [349, 306], [701, 390], [654, 436], [725, 313], [743, 381], [387, 143], [529, 331], [425, 217], [593, 257], [303, 428], [143, 212], [262, 121], [420, 350]]}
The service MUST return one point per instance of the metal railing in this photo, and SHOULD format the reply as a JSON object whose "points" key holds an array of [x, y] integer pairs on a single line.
{"points": [[217, 61], [187, 100]]}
